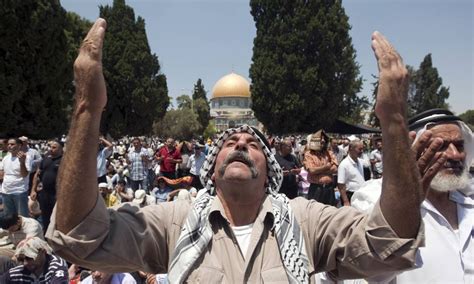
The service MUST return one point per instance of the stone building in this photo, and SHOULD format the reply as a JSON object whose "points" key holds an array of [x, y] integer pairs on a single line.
{"points": [[231, 102]]}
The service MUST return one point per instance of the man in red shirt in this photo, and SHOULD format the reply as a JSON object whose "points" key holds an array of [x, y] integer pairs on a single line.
{"points": [[168, 157]]}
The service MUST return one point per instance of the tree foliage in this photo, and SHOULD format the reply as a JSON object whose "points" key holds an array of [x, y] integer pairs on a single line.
{"points": [[137, 91], [181, 123], [201, 105], [304, 74], [468, 118], [427, 90], [35, 68]]}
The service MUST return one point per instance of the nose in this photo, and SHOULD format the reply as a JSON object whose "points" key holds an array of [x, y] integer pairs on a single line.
{"points": [[241, 145], [453, 152]]}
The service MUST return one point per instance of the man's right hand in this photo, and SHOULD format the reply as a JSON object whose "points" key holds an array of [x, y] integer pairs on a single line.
{"points": [[428, 157], [91, 92]]}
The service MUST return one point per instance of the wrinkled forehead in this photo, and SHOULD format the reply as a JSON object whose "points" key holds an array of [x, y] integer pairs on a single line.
{"points": [[245, 136], [449, 130]]}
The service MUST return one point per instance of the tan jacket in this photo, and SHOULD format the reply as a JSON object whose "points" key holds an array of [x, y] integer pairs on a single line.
{"points": [[342, 241]]}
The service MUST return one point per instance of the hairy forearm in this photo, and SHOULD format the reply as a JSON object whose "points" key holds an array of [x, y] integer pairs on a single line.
{"points": [[401, 188], [77, 178]]}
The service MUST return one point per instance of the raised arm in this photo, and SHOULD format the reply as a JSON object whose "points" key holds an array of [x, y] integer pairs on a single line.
{"points": [[77, 178], [401, 189]]}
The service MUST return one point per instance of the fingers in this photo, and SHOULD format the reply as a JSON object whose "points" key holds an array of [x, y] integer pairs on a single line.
{"points": [[429, 174], [92, 44], [385, 53], [428, 157], [421, 144]]}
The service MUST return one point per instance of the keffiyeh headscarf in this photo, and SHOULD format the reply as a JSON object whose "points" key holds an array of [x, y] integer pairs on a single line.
{"points": [[197, 233]]}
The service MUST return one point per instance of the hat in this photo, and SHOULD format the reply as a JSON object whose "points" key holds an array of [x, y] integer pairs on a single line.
{"points": [[140, 195], [23, 138], [103, 184]]}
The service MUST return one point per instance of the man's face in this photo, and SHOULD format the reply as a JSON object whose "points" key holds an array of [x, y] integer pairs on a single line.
{"points": [[3, 144], [378, 145], [136, 144], [285, 148], [358, 149], [55, 149], [33, 265], [170, 143], [334, 143], [12, 146], [241, 159], [103, 191], [453, 174]]}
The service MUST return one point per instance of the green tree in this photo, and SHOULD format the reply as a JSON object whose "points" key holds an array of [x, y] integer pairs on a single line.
{"points": [[181, 123], [428, 91], [373, 120], [201, 105], [468, 118], [184, 101], [35, 70], [304, 74], [210, 130], [137, 91]]}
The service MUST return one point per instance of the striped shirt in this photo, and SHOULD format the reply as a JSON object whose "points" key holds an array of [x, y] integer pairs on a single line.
{"points": [[55, 273]]}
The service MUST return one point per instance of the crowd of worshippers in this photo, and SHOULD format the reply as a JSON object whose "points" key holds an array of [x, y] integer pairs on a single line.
{"points": [[146, 171]]}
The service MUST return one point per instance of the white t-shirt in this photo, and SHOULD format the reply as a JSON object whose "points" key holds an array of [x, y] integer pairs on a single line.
{"points": [[243, 234], [13, 182], [351, 173]]}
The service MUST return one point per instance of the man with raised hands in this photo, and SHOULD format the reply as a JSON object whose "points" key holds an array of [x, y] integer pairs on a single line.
{"points": [[240, 229]]}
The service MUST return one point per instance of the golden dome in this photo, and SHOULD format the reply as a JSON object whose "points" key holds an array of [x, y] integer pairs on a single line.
{"points": [[231, 85]]}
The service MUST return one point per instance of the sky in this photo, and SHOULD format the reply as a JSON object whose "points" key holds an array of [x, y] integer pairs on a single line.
{"points": [[208, 39]]}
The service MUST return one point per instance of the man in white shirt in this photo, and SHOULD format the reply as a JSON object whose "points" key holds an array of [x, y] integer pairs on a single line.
{"points": [[350, 173], [376, 160], [448, 210], [16, 168], [195, 162]]}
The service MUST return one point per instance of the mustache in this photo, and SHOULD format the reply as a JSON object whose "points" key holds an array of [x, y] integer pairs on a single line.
{"points": [[240, 156]]}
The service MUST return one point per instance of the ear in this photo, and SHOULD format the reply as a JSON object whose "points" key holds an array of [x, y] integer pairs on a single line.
{"points": [[213, 177]]}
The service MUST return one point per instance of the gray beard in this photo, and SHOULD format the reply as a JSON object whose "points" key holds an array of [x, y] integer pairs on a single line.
{"points": [[450, 182]]}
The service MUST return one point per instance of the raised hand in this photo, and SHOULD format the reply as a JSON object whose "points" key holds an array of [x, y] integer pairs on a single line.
{"points": [[21, 156], [392, 92], [91, 92], [428, 158]]}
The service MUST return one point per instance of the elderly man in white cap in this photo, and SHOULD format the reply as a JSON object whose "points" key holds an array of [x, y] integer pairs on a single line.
{"points": [[448, 210], [241, 229], [39, 264]]}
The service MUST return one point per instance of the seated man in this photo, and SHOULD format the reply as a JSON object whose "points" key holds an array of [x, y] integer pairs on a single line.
{"points": [[279, 240], [19, 228], [40, 265], [110, 198]]}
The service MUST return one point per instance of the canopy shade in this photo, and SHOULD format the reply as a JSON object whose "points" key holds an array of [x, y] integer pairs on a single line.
{"points": [[342, 127]]}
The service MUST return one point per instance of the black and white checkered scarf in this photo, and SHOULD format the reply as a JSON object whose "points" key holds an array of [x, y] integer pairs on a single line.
{"points": [[197, 233]]}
